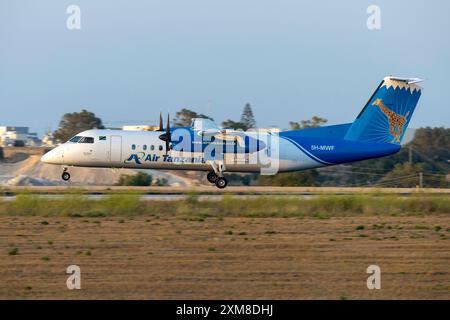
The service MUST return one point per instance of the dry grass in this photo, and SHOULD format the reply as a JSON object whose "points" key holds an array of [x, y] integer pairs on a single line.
{"points": [[167, 256]]}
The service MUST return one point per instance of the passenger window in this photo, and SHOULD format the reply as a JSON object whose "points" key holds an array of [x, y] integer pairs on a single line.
{"points": [[144, 147], [133, 147], [160, 148], [152, 147], [86, 140]]}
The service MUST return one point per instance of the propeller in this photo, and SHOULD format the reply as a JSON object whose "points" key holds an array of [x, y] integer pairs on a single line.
{"points": [[160, 123], [166, 135]]}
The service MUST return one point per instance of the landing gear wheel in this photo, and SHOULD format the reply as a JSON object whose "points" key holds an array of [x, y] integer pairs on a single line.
{"points": [[221, 182], [212, 177], [65, 176]]}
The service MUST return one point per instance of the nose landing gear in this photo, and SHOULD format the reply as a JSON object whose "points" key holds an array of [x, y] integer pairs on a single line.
{"points": [[65, 175]]}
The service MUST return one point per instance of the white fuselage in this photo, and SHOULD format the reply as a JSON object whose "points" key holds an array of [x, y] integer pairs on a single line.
{"points": [[145, 150]]}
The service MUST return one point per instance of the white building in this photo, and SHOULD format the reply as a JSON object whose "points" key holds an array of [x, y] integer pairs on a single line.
{"points": [[18, 136], [10, 135], [49, 140]]}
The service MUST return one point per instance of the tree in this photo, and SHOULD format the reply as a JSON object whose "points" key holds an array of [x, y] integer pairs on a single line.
{"points": [[299, 178], [247, 118], [139, 179], [434, 144], [184, 117], [403, 175], [241, 179], [160, 182], [429, 153], [235, 125], [73, 123], [305, 124]]}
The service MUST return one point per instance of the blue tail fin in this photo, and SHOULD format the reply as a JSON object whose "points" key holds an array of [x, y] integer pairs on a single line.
{"points": [[386, 115]]}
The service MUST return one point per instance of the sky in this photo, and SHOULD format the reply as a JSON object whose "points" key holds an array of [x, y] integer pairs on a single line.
{"points": [[290, 60]]}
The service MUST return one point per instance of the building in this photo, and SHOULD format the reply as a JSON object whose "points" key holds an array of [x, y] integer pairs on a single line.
{"points": [[33, 140], [48, 140], [18, 136], [11, 135]]}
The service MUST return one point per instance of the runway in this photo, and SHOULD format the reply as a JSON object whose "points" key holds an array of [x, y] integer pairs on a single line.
{"points": [[210, 190]]}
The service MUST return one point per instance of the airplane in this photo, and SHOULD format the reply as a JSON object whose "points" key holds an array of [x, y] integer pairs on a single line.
{"points": [[377, 131]]}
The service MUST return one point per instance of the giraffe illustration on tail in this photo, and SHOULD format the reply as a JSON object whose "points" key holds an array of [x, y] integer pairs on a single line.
{"points": [[387, 113], [396, 121]]}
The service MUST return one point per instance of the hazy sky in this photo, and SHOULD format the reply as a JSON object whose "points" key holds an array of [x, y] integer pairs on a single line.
{"points": [[289, 59]]}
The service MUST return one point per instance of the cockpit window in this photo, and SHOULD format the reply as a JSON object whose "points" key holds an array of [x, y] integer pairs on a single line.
{"points": [[86, 140], [75, 139]]}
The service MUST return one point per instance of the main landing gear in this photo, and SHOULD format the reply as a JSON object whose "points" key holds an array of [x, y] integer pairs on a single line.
{"points": [[212, 177], [216, 176], [65, 175], [220, 182]]}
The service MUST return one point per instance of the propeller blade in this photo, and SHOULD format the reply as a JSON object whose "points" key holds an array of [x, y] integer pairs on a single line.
{"points": [[168, 125], [160, 122], [168, 137]]}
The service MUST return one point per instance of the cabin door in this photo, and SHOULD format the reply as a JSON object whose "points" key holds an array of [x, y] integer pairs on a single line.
{"points": [[116, 149]]}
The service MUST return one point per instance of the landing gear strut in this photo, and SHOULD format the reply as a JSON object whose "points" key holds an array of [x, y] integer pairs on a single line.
{"points": [[65, 175]]}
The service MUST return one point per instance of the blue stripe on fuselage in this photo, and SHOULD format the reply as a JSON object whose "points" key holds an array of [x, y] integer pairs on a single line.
{"points": [[330, 151]]}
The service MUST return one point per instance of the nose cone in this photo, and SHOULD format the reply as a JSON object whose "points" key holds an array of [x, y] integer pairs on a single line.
{"points": [[53, 157]]}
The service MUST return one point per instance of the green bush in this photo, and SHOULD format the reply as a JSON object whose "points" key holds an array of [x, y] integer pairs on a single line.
{"points": [[13, 252], [139, 179]]}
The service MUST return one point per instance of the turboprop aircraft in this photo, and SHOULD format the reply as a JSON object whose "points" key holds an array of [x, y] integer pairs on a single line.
{"points": [[376, 132]]}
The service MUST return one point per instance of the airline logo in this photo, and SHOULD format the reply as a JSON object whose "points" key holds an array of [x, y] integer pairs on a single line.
{"points": [[141, 157]]}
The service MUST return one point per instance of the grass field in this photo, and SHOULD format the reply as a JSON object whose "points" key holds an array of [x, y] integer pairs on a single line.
{"points": [[78, 205], [247, 249]]}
